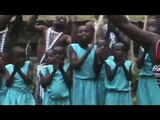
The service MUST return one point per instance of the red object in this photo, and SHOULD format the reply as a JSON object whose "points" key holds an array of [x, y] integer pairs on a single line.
{"points": [[158, 50]]}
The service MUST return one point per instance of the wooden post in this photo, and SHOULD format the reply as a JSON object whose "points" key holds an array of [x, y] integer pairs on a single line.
{"points": [[73, 25], [98, 27], [145, 22]]}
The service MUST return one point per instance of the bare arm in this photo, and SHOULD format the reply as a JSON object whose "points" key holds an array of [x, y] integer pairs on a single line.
{"points": [[32, 21], [97, 65], [29, 77], [69, 39], [11, 78], [128, 73], [125, 39], [32, 24], [140, 60], [16, 26], [45, 81], [111, 73], [18, 21], [142, 37], [67, 76]]}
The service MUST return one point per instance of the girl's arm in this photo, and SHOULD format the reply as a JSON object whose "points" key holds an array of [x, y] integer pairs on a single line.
{"points": [[32, 24], [75, 62], [97, 66], [67, 76], [142, 37], [128, 73], [29, 77], [10, 78], [140, 60], [111, 73], [45, 81]]}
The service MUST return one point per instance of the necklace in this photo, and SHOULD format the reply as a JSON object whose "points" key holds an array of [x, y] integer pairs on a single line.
{"points": [[3, 39], [55, 36]]}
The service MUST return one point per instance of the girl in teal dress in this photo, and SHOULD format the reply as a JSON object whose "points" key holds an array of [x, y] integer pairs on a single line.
{"points": [[148, 92], [20, 80], [84, 90], [56, 79], [119, 75], [99, 67]]}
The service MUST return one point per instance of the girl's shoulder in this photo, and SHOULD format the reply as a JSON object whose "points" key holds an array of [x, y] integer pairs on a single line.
{"points": [[74, 44], [28, 62], [45, 69], [8, 66], [109, 59], [66, 66], [128, 62]]}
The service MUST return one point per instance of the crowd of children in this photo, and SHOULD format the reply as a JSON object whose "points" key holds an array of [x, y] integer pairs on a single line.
{"points": [[84, 72]]}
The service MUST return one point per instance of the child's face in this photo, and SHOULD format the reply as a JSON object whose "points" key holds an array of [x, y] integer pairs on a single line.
{"points": [[84, 34], [19, 58], [58, 54], [49, 56], [119, 51], [90, 26], [102, 49], [153, 25], [102, 46], [60, 22]]}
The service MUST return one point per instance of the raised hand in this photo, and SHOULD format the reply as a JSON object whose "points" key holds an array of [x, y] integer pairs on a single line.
{"points": [[60, 64], [120, 63], [91, 47]]}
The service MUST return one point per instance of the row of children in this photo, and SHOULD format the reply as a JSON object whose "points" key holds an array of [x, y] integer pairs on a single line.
{"points": [[92, 75]]}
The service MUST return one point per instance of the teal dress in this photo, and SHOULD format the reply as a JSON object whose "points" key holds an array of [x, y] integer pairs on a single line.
{"points": [[101, 91], [3, 90], [101, 87], [118, 91], [148, 92], [84, 90], [57, 93], [19, 93]]}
